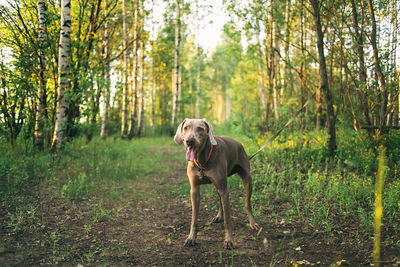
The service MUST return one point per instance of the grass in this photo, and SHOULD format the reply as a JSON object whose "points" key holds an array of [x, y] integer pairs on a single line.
{"points": [[292, 171], [92, 177]]}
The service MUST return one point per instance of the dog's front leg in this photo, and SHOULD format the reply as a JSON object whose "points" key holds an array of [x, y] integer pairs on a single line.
{"points": [[224, 195], [195, 197]]}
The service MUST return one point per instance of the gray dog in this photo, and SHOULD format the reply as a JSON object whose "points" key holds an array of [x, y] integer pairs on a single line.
{"points": [[211, 159]]}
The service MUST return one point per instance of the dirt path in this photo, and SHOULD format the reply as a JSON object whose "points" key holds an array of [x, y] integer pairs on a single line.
{"points": [[146, 220]]}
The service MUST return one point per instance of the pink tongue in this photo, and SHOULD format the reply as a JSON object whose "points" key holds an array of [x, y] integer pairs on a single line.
{"points": [[189, 154]]}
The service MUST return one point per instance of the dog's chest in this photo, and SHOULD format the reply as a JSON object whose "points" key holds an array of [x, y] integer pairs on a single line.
{"points": [[203, 177]]}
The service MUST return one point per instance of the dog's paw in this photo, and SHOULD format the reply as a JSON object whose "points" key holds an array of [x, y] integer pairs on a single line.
{"points": [[254, 226], [228, 245], [217, 219], [190, 242]]}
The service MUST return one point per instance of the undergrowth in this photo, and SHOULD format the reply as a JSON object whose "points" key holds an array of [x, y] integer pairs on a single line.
{"points": [[295, 168]]}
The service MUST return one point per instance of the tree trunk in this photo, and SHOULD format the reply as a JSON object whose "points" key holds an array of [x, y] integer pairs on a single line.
{"points": [[318, 104], [198, 73], [83, 59], [124, 116], [268, 56], [134, 101], [378, 69], [152, 95], [190, 88], [323, 75], [42, 94], [106, 101], [227, 105], [285, 80], [260, 68], [363, 70], [261, 82], [180, 108], [175, 77], [302, 61], [141, 126], [198, 82], [59, 137], [274, 62], [396, 108]]}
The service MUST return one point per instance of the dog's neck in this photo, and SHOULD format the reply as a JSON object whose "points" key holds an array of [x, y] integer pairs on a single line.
{"points": [[203, 154]]}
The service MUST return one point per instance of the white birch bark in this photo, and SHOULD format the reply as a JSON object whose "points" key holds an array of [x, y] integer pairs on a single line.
{"points": [[227, 105], [133, 121], [180, 107], [106, 101], [175, 76], [141, 126], [59, 137], [41, 106], [198, 82], [190, 88], [152, 94], [124, 116], [286, 49], [198, 74], [274, 64], [260, 68]]}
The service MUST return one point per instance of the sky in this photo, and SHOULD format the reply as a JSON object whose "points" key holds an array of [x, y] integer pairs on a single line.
{"points": [[211, 25], [210, 34]]}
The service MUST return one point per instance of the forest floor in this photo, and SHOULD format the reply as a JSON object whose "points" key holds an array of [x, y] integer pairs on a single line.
{"points": [[144, 221]]}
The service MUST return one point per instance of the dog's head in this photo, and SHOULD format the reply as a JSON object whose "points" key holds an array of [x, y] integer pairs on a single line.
{"points": [[194, 133]]}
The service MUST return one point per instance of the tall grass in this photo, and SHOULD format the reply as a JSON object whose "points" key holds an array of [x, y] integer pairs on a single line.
{"points": [[109, 161], [75, 172], [295, 168]]}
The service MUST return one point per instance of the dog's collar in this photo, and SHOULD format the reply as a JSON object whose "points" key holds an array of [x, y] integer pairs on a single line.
{"points": [[202, 166]]}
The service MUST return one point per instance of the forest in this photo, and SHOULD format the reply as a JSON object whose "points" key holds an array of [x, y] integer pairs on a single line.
{"points": [[92, 93]]}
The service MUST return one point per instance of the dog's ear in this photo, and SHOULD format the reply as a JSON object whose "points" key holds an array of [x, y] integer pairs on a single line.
{"points": [[178, 135], [210, 132]]}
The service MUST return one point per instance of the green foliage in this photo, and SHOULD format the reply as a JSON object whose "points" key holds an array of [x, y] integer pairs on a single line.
{"points": [[18, 169], [294, 169], [109, 161]]}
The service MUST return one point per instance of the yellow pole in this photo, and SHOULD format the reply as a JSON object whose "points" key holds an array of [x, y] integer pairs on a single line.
{"points": [[378, 205]]}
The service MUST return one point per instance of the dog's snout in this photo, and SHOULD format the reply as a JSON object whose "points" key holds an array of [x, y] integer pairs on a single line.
{"points": [[190, 142]]}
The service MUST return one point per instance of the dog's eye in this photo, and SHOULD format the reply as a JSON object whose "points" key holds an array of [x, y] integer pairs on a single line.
{"points": [[186, 127], [199, 129]]}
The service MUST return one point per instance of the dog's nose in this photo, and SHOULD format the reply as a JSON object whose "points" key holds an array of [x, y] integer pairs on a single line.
{"points": [[190, 142]]}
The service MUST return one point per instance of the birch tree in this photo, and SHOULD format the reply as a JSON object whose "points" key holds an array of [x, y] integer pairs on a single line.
{"points": [[179, 100], [198, 82], [106, 77], [274, 62], [60, 135], [175, 75], [198, 70], [124, 115], [134, 93], [285, 78], [152, 96], [260, 55], [142, 124], [42, 94]]}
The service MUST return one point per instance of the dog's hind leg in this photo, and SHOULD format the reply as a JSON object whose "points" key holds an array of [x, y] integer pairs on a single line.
{"points": [[220, 215], [246, 179]]}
